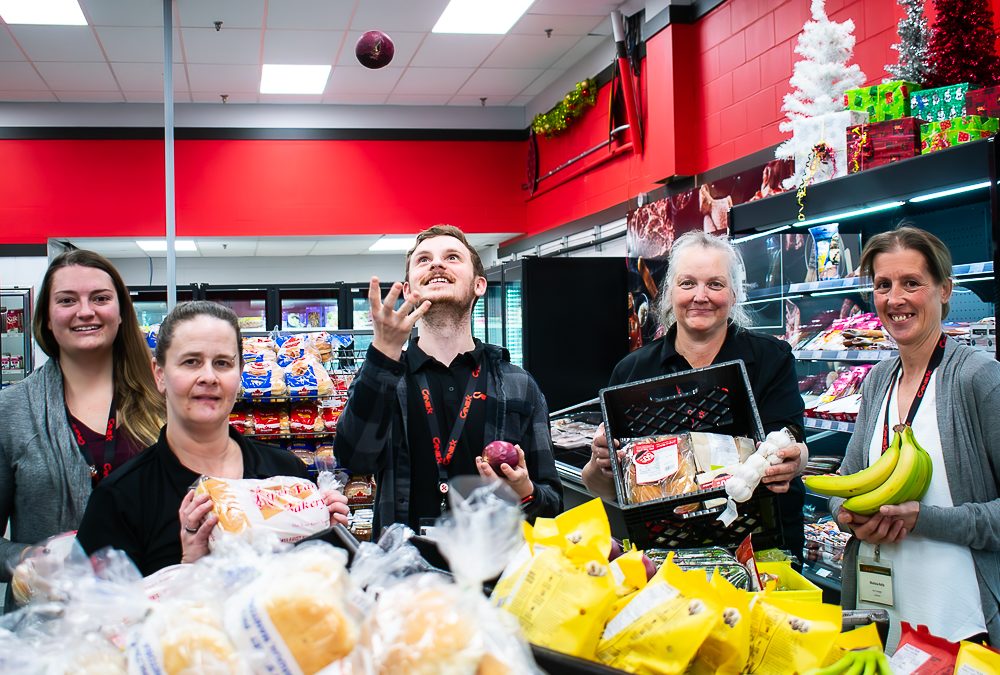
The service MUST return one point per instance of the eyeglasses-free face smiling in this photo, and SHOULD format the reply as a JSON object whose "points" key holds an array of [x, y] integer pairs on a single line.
{"points": [[84, 314], [701, 295], [907, 298], [201, 375], [441, 271]]}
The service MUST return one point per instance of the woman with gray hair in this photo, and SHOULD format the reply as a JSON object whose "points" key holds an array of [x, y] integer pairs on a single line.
{"points": [[706, 325]]}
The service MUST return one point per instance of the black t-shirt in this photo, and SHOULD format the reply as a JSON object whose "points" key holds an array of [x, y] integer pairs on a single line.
{"points": [[135, 508], [771, 370], [448, 385]]}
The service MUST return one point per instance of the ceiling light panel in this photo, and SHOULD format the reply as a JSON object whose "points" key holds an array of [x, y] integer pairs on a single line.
{"points": [[475, 16], [42, 12], [289, 79]]}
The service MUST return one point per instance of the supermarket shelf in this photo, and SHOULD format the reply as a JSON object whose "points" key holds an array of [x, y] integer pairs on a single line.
{"points": [[848, 355], [13, 334], [293, 436], [973, 268], [830, 285], [14, 372], [765, 293], [829, 425], [284, 398], [822, 576]]}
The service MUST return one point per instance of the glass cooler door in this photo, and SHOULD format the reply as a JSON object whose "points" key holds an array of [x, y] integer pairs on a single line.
{"points": [[309, 308]]}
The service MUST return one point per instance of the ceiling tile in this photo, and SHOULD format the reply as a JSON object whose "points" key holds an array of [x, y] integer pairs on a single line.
{"points": [[399, 15], [499, 81], [26, 96], [78, 76], [224, 79], [234, 97], [521, 100], [66, 96], [406, 45], [535, 24], [345, 245], [233, 13], [150, 97], [118, 13], [147, 77], [491, 101], [529, 51], [291, 98], [284, 247], [21, 76], [305, 47], [354, 99], [432, 80], [58, 43], [542, 81], [577, 7], [455, 50], [418, 99], [236, 246], [9, 50], [318, 14], [135, 44], [233, 46], [361, 80], [586, 45]]}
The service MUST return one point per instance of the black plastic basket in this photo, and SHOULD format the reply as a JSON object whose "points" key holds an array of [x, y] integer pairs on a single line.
{"points": [[715, 399]]}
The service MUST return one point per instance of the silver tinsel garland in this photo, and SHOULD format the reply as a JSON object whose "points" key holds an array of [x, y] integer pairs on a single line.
{"points": [[914, 36]]}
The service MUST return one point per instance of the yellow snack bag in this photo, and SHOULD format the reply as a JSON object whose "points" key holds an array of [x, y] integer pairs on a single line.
{"points": [[661, 628], [628, 571], [976, 659], [862, 637], [727, 648], [576, 532], [561, 605], [791, 637]]}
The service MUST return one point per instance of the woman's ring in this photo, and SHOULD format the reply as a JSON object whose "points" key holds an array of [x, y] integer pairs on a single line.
{"points": [[192, 530]]}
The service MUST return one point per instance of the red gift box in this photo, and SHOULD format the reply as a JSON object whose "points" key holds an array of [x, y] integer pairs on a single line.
{"points": [[983, 102], [878, 143]]}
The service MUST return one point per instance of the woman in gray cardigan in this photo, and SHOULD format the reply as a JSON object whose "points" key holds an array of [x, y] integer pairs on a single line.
{"points": [[944, 550], [90, 407]]}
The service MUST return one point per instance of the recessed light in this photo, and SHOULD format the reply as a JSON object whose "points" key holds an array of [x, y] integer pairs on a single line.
{"points": [[160, 245], [288, 79], [476, 16], [42, 12], [388, 243]]}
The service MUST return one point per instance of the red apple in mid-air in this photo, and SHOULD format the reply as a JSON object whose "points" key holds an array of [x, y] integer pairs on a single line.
{"points": [[500, 452], [374, 49]]}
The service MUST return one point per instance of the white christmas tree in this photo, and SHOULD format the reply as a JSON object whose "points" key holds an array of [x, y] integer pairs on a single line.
{"points": [[914, 36], [820, 78]]}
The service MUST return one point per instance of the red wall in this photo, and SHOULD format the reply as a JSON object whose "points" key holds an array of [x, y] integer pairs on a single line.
{"points": [[258, 188]]}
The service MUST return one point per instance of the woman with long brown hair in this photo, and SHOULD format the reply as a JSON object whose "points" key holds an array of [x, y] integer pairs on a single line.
{"points": [[83, 413]]}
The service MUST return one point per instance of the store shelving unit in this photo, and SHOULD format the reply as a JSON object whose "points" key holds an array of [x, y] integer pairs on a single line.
{"points": [[15, 334], [829, 425]]}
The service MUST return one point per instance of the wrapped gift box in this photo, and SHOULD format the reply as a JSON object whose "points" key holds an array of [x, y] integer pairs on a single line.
{"points": [[983, 102], [943, 103], [830, 128], [886, 101], [945, 134], [871, 145]]}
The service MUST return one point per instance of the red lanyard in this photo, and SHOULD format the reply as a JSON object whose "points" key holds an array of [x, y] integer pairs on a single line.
{"points": [[921, 390], [444, 458], [109, 443]]}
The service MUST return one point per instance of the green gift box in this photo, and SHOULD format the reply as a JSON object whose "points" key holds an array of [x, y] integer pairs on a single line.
{"points": [[947, 133], [894, 100], [943, 103], [864, 99], [971, 123]]}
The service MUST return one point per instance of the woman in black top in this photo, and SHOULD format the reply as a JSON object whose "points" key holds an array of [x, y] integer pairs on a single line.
{"points": [[147, 508], [705, 325]]}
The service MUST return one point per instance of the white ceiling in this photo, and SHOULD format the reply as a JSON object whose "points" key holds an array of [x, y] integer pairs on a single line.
{"points": [[240, 247], [118, 57]]}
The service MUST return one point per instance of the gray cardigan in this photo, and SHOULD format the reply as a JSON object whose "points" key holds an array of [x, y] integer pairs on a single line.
{"points": [[968, 396], [44, 480]]}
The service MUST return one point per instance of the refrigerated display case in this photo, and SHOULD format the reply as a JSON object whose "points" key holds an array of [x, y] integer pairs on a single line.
{"points": [[15, 335], [564, 320], [150, 302], [309, 307], [249, 303]]}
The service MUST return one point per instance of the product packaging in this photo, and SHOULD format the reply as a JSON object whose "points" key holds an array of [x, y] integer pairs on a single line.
{"points": [[658, 466], [871, 145], [15, 321], [886, 101], [921, 653], [976, 659], [791, 637], [826, 240], [943, 103], [983, 102], [831, 129]]}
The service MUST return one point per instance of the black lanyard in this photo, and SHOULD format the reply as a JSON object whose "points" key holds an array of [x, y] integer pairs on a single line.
{"points": [[109, 443], [445, 456], [919, 396]]}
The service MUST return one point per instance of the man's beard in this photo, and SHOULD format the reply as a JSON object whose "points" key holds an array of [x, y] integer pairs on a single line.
{"points": [[451, 311]]}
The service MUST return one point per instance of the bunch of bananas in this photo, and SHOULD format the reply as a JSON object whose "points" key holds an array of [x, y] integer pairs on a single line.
{"points": [[858, 662], [901, 474]]}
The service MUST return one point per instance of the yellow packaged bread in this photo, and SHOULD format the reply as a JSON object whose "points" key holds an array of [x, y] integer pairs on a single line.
{"points": [[787, 636], [976, 659], [285, 507], [294, 617], [726, 650], [182, 638]]}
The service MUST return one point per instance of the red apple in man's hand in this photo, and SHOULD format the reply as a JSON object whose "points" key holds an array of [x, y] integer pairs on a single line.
{"points": [[500, 452]]}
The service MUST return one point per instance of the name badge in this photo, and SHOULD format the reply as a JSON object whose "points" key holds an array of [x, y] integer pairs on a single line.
{"points": [[875, 581]]}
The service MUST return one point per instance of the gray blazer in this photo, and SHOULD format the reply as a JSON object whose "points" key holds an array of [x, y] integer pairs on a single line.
{"points": [[44, 480], [968, 396]]}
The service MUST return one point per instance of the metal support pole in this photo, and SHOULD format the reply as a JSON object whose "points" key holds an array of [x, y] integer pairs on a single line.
{"points": [[168, 147]]}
